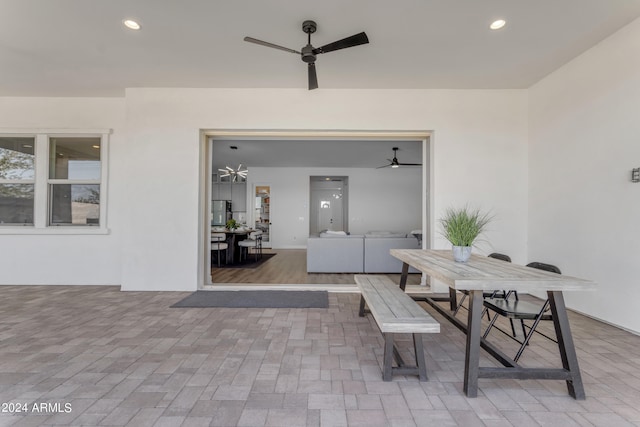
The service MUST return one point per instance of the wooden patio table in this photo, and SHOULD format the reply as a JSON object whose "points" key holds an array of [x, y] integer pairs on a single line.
{"points": [[480, 274]]}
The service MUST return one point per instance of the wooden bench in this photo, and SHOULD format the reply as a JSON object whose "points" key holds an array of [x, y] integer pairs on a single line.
{"points": [[396, 313]]}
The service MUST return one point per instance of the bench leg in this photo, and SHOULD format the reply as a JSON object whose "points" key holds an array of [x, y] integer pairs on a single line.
{"points": [[361, 312], [387, 364], [419, 354], [391, 353]]}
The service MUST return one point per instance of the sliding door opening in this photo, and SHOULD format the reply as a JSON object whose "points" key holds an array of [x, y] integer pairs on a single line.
{"points": [[335, 181]]}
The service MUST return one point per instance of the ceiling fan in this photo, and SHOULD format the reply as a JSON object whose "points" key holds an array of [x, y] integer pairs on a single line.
{"points": [[394, 163], [309, 53]]}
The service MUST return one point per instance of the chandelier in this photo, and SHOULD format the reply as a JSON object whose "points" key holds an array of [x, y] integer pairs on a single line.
{"points": [[234, 173]]}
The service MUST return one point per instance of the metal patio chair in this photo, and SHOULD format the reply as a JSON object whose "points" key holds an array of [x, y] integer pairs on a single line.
{"points": [[521, 310]]}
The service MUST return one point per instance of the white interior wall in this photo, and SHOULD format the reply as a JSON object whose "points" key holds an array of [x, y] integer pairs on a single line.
{"points": [[584, 141], [379, 199], [38, 257]]}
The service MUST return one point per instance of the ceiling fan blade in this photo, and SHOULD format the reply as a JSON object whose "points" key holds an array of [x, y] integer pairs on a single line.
{"points": [[313, 77], [354, 40], [410, 164], [385, 166], [267, 44]]}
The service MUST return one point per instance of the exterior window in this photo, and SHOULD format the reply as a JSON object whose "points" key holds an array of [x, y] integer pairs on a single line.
{"points": [[74, 180], [53, 182], [17, 178]]}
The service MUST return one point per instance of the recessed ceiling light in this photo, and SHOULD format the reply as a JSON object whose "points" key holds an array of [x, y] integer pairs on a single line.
{"points": [[130, 23], [497, 24]]}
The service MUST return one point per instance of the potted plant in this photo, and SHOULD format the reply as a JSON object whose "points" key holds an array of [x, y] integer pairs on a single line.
{"points": [[231, 224], [462, 227]]}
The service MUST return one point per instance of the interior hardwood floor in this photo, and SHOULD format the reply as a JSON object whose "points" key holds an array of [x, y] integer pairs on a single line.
{"points": [[289, 266]]}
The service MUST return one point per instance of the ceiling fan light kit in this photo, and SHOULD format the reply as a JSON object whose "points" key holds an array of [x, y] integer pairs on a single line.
{"points": [[234, 173], [309, 53]]}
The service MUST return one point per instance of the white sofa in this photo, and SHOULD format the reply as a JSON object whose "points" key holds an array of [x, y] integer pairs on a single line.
{"points": [[377, 258], [341, 253], [335, 254]]}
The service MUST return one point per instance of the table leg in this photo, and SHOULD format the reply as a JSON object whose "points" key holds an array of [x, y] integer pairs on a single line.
{"points": [[453, 300], [565, 344], [472, 353], [230, 248], [403, 276]]}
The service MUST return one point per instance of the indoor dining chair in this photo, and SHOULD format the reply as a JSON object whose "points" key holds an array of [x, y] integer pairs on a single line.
{"points": [[219, 244], [253, 241]]}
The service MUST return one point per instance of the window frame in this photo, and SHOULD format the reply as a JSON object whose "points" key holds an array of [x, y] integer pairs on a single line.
{"points": [[41, 208], [51, 182]]}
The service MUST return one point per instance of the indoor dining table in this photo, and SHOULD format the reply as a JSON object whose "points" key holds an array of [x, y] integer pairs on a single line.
{"points": [[233, 237], [480, 274]]}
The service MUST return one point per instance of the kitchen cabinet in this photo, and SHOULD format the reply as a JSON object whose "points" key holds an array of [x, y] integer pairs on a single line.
{"points": [[239, 196], [236, 192]]}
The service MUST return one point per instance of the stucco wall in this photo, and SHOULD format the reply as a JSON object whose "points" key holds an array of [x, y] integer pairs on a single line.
{"points": [[479, 158], [40, 258], [584, 141], [479, 152]]}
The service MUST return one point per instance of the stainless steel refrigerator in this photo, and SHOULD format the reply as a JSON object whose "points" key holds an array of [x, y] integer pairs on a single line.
{"points": [[220, 212]]}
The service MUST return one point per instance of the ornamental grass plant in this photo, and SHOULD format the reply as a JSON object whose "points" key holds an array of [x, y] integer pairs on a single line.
{"points": [[462, 226]]}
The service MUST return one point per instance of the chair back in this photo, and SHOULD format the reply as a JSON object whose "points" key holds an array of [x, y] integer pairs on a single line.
{"points": [[545, 267], [503, 257], [218, 237]]}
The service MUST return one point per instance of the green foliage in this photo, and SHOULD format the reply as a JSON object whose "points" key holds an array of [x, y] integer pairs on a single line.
{"points": [[93, 197], [14, 164], [462, 226], [231, 224]]}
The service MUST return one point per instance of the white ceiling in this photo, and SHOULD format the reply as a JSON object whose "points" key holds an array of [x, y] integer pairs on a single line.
{"points": [[354, 153], [80, 47]]}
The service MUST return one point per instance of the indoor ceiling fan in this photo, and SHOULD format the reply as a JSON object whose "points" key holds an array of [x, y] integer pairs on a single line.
{"points": [[394, 163], [309, 53]]}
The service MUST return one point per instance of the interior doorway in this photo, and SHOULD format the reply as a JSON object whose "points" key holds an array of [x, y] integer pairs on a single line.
{"points": [[262, 214], [279, 158], [328, 204]]}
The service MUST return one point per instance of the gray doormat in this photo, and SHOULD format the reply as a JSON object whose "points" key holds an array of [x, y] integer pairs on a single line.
{"points": [[256, 299]]}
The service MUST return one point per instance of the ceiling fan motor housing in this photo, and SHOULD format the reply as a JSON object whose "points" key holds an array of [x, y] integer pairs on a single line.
{"points": [[307, 54]]}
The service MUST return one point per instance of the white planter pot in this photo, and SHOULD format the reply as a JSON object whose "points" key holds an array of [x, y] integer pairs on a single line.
{"points": [[461, 253]]}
